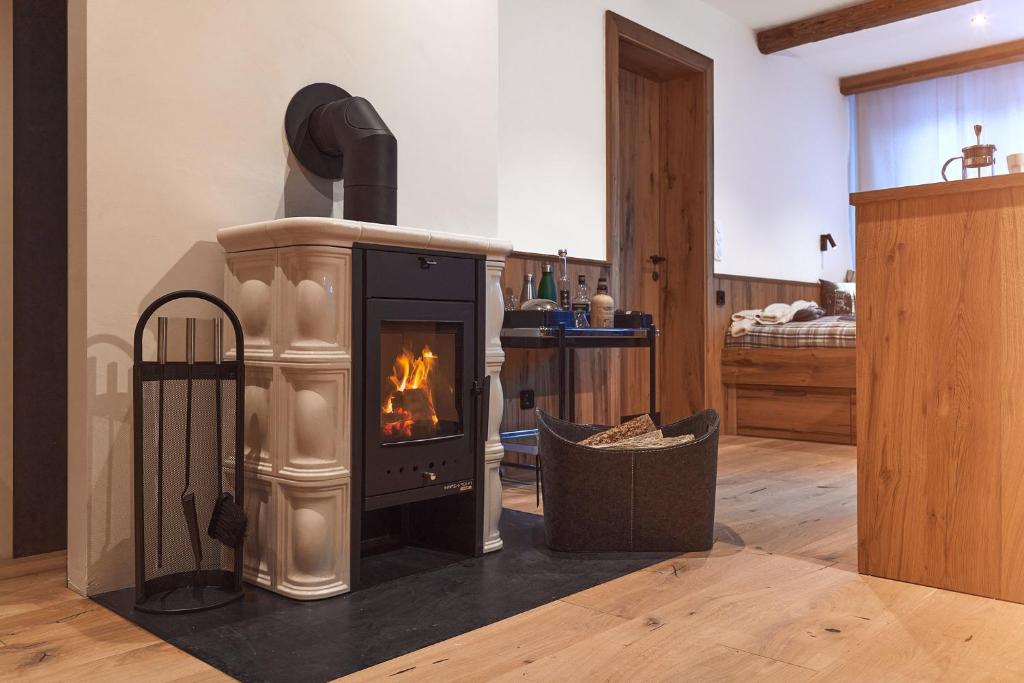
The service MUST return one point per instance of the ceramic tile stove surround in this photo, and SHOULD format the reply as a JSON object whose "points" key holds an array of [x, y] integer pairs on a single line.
{"points": [[291, 283]]}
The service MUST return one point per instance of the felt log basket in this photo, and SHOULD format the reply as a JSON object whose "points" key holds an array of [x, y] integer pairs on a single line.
{"points": [[188, 422], [646, 500]]}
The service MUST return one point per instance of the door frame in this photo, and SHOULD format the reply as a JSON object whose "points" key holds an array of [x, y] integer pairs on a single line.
{"points": [[636, 48]]}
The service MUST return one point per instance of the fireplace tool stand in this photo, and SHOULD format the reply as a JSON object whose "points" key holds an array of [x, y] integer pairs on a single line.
{"points": [[189, 487]]}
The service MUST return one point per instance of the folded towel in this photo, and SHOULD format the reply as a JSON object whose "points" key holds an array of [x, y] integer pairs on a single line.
{"points": [[742, 326], [746, 315], [777, 314]]}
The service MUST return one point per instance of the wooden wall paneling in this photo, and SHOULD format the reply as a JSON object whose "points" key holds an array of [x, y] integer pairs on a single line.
{"points": [[845, 20], [938, 383], [597, 398]]}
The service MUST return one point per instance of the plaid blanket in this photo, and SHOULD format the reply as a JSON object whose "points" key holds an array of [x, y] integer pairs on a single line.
{"points": [[829, 332]]}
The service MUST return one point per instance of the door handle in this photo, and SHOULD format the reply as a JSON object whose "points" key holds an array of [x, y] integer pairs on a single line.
{"points": [[426, 262], [656, 260]]}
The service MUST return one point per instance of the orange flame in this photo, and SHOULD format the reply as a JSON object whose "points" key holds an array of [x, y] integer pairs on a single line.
{"points": [[410, 373]]}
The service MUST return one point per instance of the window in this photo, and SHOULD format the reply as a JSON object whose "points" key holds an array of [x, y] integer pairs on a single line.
{"points": [[905, 134]]}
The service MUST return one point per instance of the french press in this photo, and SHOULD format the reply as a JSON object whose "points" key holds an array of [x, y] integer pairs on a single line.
{"points": [[977, 156]]}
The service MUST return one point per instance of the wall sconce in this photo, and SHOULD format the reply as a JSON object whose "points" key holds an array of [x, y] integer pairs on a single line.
{"points": [[826, 242]]}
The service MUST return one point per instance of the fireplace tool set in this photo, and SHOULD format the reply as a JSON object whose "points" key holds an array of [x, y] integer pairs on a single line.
{"points": [[189, 521]]}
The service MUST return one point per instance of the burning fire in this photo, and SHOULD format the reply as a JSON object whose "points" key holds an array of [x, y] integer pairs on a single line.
{"points": [[411, 401]]}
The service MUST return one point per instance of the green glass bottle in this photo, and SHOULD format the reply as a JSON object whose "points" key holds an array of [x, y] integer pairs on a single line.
{"points": [[547, 288]]}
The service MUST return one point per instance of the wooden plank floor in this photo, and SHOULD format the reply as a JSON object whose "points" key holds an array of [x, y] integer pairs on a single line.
{"points": [[777, 598], [50, 633]]}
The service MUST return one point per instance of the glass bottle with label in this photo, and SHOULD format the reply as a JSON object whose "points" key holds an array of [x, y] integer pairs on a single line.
{"points": [[581, 303], [602, 306]]}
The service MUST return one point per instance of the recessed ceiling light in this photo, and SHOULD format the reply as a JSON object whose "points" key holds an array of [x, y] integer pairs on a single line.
{"points": [[979, 19]]}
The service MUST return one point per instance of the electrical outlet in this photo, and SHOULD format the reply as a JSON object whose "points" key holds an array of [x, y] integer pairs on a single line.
{"points": [[526, 399], [720, 297]]}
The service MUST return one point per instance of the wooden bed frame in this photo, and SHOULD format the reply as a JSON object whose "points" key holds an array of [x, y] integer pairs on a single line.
{"points": [[806, 394]]}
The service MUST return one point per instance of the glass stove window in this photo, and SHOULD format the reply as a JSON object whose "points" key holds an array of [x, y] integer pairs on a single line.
{"points": [[419, 380]]}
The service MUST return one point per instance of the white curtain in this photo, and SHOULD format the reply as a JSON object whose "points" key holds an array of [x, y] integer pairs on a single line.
{"points": [[905, 134]]}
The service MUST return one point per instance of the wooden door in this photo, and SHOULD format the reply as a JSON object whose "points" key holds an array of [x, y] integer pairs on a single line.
{"points": [[659, 205], [638, 225]]}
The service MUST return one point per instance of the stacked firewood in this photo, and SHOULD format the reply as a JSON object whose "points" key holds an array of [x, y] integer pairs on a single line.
{"points": [[640, 432]]}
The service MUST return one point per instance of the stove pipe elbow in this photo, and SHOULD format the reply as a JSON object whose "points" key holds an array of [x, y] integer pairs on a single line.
{"points": [[338, 136], [351, 128]]}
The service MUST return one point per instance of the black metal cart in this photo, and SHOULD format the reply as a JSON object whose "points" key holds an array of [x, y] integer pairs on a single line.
{"points": [[567, 340]]}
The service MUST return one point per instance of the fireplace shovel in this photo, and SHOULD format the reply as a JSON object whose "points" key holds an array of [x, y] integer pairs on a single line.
{"points": [[188, 498], [228, 521]]}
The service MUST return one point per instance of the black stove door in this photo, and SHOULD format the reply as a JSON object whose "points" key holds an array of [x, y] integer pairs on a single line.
{"points": [[419, 408]]}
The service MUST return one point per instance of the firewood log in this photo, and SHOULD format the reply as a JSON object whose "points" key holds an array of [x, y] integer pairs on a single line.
{"points": [[635, 427], [417, 402]]}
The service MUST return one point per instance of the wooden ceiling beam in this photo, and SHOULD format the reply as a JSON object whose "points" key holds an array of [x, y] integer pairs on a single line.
{"points": [[937, 67], [847, 20]]}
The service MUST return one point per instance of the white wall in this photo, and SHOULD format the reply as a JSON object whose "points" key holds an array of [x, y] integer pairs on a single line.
{"points": [[176, 131], [781, 136]]}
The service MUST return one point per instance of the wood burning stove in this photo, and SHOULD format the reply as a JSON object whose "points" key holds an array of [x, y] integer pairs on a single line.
{"points": [[305, 313], [419, 377]]}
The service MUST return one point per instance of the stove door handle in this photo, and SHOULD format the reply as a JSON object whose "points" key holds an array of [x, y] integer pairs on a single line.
{"points": [[483, 394]]}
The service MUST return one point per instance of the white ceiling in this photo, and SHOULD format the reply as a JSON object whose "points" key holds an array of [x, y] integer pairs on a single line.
{"points": [[758, 14], [931, 35]]}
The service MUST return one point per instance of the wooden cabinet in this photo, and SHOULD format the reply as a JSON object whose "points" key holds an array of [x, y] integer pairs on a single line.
{"points": [[940, 385]]}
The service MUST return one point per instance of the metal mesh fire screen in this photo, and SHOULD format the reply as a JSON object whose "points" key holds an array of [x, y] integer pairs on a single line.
{"points": [[188, 437]]}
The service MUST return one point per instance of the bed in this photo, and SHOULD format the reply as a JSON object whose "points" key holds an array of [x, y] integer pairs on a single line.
{"points": [[793, 381]]}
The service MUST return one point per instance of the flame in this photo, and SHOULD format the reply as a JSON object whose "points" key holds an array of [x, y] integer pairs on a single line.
{"points": [[409, 373]]}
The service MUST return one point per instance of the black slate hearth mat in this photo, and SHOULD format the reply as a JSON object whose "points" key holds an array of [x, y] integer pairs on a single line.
{"points": [[267, 637]]}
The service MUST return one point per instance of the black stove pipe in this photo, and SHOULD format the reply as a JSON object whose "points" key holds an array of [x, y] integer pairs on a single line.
{"points": [[352, 128], [335, 135]]}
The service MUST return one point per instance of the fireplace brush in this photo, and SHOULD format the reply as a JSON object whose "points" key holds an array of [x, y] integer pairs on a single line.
{"points": [[228, 521]]}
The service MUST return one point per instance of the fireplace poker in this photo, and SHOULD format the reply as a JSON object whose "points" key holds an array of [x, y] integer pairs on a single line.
{"points": [[161, 359], [188, 498]]}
